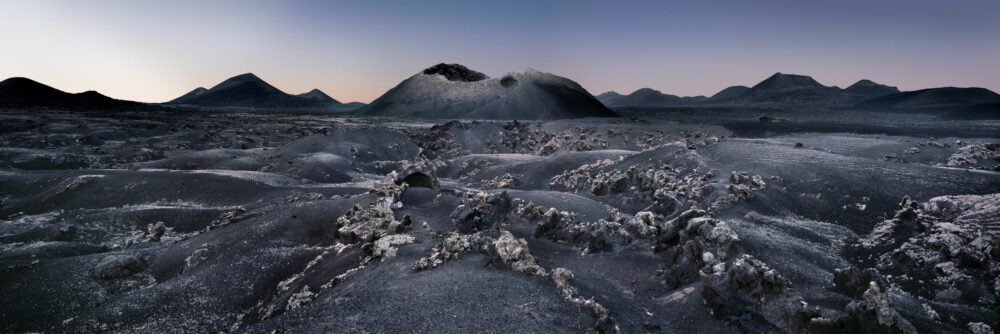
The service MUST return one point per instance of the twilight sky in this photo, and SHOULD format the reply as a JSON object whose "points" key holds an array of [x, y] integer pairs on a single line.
{"points": [[356, 50]]}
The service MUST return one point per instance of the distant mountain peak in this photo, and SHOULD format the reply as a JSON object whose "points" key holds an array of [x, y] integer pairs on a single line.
{"points": [[783, 81], [455, 72], [870, 88], [318, 95], [646, 90], [245, 78], [784, 88], [250, 91], [730, 92]]}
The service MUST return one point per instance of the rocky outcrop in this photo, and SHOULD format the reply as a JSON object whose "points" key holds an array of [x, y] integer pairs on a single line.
{"points": [[482, 211], [985, 156], [661, 184], [364, 224], [421, 173], [119, 266], [512, 253], [742, 185], [875, 308]]}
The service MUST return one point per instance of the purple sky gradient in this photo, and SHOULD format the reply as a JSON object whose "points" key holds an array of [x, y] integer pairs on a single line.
{"points": [[355, 51]]}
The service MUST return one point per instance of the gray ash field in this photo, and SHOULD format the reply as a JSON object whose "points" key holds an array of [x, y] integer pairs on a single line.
{"points": [[670, 220]]}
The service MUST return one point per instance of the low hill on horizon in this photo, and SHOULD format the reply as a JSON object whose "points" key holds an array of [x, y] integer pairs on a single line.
{"points": [[24, 92]]}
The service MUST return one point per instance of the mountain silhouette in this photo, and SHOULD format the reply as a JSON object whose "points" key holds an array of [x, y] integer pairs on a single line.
{"points": [[933, 99], [318, 95], [870, 89], [24, 92], [729, 93], [790, 89], [249, 91]]}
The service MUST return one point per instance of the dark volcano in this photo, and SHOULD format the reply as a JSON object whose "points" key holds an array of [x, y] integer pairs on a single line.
{"points": [[454, 91]]}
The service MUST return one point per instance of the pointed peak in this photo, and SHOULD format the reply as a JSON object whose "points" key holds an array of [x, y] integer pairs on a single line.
{"points": [[245, 78], [318, 95]]}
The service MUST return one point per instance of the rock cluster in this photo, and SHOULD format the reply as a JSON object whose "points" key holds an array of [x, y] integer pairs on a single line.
{"points": [[693, 241], [441, 141], [659, 182], [875, 307], [482, 211], [957, 243], [985, 156], [422, 173], [385, 247], [593, 236], [513, 254], [119, 266], [153, 233], [578, 139], [502, 181], [365, 224], [742, 185], [450, 248], [946, 248], [519, 137]]}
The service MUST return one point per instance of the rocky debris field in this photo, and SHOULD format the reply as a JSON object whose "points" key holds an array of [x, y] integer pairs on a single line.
{"points": [[180, 223]]}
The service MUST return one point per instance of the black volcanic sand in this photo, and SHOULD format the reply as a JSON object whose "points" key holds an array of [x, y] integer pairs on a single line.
{"points": [[670, 220]]}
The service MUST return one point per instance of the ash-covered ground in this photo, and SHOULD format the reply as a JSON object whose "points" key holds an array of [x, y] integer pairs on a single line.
{"points": [[672, 221]]}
